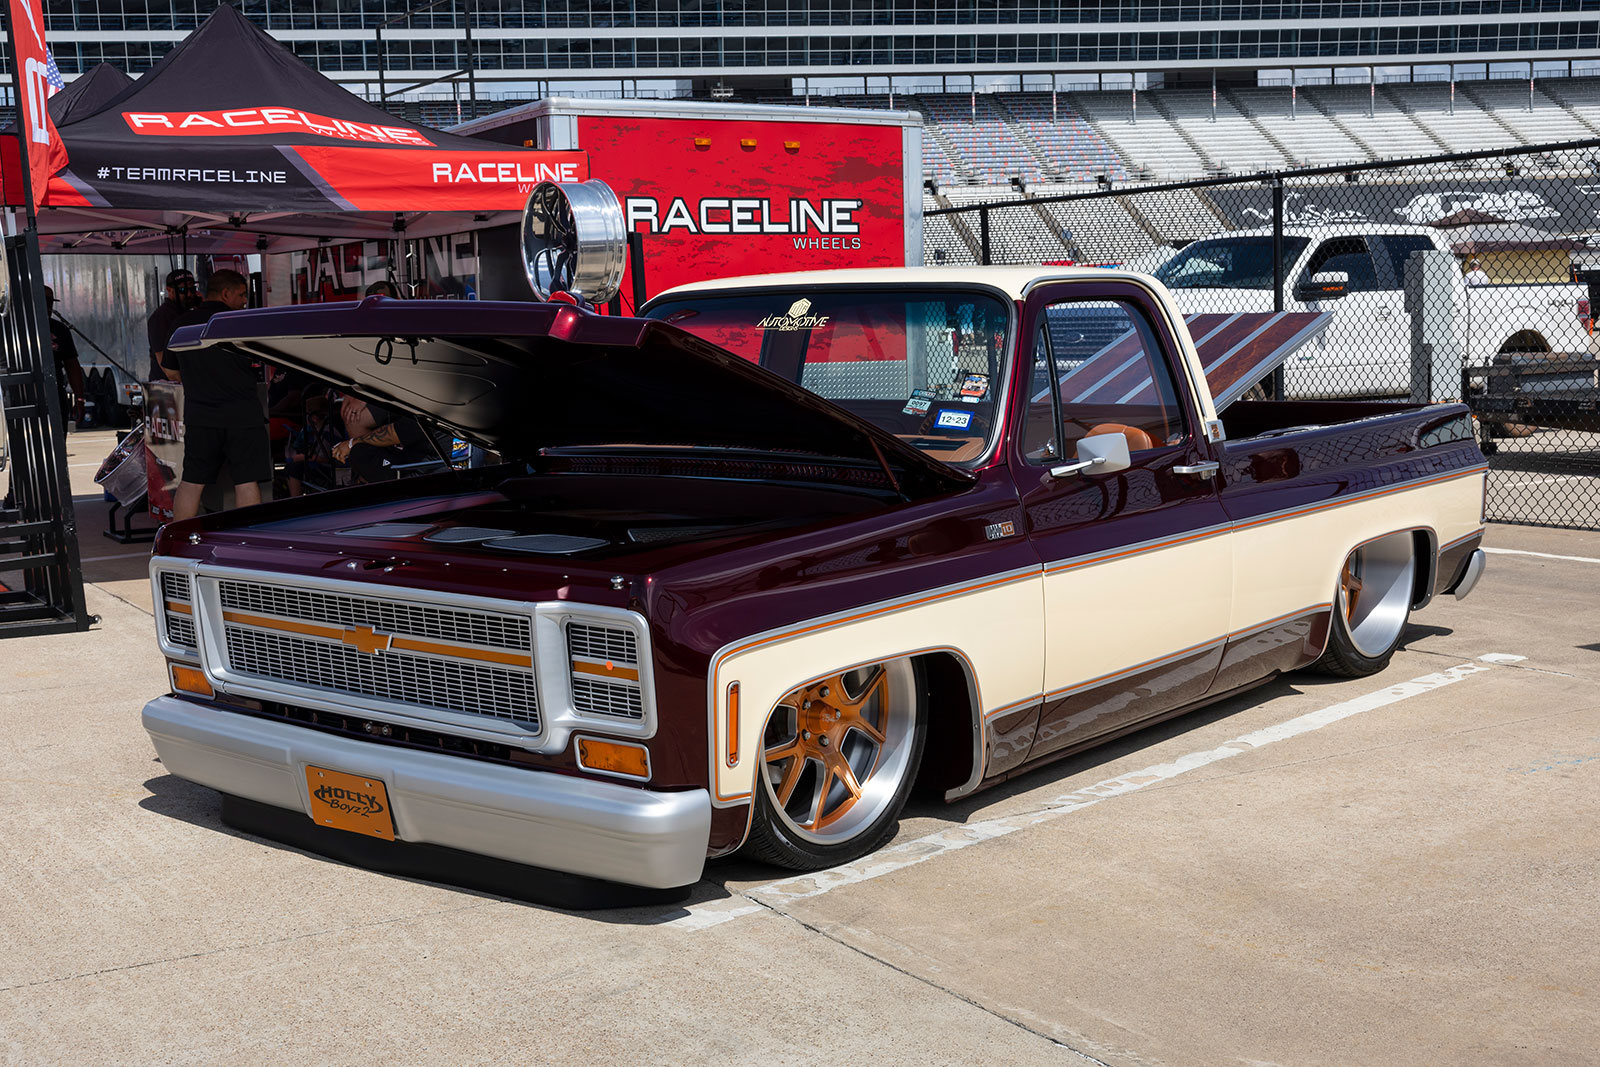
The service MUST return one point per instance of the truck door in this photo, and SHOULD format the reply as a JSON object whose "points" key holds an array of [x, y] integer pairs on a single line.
{"points": [[1366, 350], [1137, 579]]}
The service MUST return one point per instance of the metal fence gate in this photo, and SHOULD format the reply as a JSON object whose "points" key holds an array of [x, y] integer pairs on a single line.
{"points": [[41, 582], [1471, 276]]}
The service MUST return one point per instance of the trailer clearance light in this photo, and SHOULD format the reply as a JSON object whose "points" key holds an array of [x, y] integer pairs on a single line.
{"points": [[702, 142], [190, 680], [614, 757], [791, 146], [747, 142]]}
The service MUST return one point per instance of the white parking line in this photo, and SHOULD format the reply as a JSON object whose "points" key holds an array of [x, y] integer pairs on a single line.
{"points": [[910, 853], [1541, 555]]}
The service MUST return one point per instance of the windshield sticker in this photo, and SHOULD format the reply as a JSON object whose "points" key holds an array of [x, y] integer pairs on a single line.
{"points": [[921, 400], [975, 386], [796, 319], [954, 420]]}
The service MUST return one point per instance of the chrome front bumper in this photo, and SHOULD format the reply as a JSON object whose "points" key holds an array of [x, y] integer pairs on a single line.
{"points": [[603, 830]]}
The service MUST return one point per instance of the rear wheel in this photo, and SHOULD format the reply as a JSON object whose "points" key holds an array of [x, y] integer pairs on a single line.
{"points": [[838, 760], [1371, 607]]}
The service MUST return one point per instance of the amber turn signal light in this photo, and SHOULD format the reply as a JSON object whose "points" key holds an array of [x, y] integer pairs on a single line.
{"points": [[190, 680], [733, 724], [613, 757]]}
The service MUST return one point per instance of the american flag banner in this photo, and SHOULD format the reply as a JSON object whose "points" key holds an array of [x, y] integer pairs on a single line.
{"points": [[52, 73]]}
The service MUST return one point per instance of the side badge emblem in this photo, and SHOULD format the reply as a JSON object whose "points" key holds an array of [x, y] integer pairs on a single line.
{"points": [[996, 530]]}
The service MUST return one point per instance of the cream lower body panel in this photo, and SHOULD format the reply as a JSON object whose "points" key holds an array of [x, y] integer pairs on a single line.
{"points": [[1110, 617], [996, 626], [1287, 563]]}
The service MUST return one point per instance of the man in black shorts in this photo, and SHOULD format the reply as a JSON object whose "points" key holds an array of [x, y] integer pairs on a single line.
{"points": [[224, 425]]}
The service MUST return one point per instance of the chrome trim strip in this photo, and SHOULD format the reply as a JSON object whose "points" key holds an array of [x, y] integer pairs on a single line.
{"points": [[601, 829], [558, 717]]}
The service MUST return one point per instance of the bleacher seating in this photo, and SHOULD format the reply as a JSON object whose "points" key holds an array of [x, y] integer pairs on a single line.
{"points": [[1545, 123], [1071, 148], [1229, 139], [1309, 135], [1388, 132], [1463, 126], [1150, 146], [989, 149], [1581, 96]]}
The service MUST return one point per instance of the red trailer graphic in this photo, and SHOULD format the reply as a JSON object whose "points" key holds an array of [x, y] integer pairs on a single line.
{"points": [[721, 190]]}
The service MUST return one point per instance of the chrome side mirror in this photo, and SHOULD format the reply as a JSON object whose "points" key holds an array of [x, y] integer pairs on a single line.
{"points": [[1104, 453]]}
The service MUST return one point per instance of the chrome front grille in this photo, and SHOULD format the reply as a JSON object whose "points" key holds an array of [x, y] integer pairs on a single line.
{"points": [[607, 698], [602, 643], [605, 670], [418, 656], [176, 607], [471, 688], [486, 628]]}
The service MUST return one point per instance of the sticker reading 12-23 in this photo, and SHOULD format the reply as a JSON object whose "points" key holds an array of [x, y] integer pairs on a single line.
{"points": [[953, 420]]}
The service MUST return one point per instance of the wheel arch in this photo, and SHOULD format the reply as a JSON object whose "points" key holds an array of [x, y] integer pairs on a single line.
{"points": [[1527, 339]]}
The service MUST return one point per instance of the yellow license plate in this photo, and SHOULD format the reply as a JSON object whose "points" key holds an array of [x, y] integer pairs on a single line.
{"points": [[350, 802]]}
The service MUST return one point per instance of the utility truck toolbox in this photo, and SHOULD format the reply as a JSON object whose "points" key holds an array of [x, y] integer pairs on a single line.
{"points": [[784, 547]]}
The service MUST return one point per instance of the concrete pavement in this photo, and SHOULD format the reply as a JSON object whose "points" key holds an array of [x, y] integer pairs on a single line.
{"points": [[1395, 870]]}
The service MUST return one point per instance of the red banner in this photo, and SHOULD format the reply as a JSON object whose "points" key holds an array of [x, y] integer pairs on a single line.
{"points": [[379, 179], [259, 121], [46, 153]]}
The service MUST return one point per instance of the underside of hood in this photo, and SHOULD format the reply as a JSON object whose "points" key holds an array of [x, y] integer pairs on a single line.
{"points": [[521, 378]]}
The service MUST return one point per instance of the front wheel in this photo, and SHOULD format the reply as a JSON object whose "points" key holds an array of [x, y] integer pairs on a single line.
{"points": [[839, 757], [1371, 607]]}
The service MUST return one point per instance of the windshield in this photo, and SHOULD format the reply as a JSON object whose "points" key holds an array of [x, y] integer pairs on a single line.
{"points": [[1228, 263], [926, 365]]}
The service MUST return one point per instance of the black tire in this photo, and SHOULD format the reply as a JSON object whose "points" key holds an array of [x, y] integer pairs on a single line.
{"points": [[823, 819], [1371, 607]]}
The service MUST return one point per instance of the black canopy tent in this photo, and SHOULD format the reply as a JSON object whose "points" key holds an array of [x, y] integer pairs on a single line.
{"points": [[87, 94], [280, 158]]}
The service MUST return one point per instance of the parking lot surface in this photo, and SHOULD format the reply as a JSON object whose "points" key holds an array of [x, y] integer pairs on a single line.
{"points": [[1393, 870]]}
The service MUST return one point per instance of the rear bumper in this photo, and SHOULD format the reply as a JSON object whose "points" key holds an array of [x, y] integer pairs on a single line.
{"points": [[599, 829]]}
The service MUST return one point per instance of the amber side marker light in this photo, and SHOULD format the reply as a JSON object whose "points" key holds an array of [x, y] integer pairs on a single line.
{"points": [[702, 142], [613, 757], [747, 142], [791, 146], [190, 680], [733, 724]]}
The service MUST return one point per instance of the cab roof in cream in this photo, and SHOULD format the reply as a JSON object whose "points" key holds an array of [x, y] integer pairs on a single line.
{"points": [[1014, 281]]}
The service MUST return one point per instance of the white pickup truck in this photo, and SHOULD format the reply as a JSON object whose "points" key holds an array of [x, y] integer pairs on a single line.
{"points": [[1357, 272]]}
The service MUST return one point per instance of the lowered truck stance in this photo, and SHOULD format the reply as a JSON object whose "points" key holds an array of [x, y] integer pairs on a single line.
{"points": [[765, 558]]}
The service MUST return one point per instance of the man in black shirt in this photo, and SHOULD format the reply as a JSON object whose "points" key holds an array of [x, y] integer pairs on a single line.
{"points": [[68, 371], [224, 426], [162, 321]]}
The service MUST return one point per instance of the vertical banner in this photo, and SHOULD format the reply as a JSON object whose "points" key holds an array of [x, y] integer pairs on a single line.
{"points": [[37, 81]]}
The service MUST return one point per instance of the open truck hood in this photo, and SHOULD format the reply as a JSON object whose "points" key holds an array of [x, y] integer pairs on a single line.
{"points": [[517, 378]]}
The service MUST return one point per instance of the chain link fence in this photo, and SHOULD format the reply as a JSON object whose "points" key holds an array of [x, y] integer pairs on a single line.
{"points": [[1465, 277]]}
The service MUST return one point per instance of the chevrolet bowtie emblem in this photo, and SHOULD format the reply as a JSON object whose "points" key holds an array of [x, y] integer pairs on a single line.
{"points": [[366, 639]]}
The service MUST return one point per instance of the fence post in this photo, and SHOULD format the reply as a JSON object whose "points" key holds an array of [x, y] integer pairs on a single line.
{"points": [[983, 236], [1277, 272]]}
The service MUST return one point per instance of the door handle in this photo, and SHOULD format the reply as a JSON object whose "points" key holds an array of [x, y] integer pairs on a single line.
{"points": [[1200, 470]]}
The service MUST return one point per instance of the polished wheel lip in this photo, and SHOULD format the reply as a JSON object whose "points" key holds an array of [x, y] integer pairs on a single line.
{"points": [[842, 778], [1375, 588]]}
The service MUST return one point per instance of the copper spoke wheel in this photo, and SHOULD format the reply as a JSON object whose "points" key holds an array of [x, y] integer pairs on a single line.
{"points": [[837, 753]]}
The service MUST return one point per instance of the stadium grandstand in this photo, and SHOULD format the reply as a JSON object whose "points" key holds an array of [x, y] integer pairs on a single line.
{"points": [[1035, 97]]}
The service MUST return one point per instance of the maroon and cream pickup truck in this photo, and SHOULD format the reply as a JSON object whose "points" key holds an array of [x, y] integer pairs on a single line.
{"points": [[759, 562]]}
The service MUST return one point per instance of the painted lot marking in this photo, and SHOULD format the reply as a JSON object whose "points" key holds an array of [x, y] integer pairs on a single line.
{"points": [[1541, 555], [909, 853]]}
